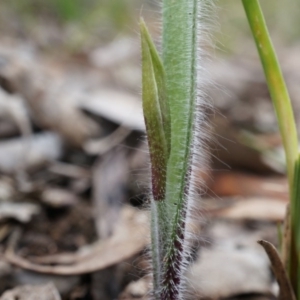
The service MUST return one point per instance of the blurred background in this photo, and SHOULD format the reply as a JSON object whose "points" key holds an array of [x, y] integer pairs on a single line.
{"points": [[74, 163], [86, 24]]}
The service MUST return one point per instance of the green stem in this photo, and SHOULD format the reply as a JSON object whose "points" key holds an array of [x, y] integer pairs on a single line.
{"points": [[287, 126], [294, 263], [179, 58], [276, 84], [157, 121]]}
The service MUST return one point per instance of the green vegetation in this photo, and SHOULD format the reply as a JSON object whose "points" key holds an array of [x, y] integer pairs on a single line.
{"points": [[287, 126], [169, 102], [81, 23]]}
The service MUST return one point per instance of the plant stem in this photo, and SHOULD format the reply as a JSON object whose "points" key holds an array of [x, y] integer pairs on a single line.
{"points": [[294, 262], [287, 126], [276, 84], [179, 48], [157, 121]]}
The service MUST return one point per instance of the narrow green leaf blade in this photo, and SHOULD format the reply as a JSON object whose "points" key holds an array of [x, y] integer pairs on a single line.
{"points": [[157, 119], [294, 264], [159, 74], [276, 83]]}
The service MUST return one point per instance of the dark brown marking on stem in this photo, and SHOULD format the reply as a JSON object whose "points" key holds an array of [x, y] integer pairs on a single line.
{"points": [[158, 160], [158, 183], [172, 279]]}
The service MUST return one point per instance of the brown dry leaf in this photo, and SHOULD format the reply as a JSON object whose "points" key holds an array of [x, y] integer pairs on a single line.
{"points": [[286, 290], [120, 107], [122, 67], [221, 272], [69, 170], [138, 290], [109, 183], [13, 108], [5, 230], [246, 104], [57, 197], [58, 110], [29, 292], [22, 212], [246, 101], [7, 189], [129, 238], [228, 148], [53, 101], [248, 185], [103, 145], [254, 208], [8, 128], [31, 152], [110, 55], [63, 284]]}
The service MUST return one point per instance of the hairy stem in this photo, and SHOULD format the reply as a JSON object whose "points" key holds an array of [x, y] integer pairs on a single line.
{"points": [[179, 58], [157, 120]]}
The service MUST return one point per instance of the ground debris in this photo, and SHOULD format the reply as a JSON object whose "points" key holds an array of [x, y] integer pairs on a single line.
{"points": [[22, 212], [29, 292], [29, 153], [138, 290], [73, 156], [128, 239]]}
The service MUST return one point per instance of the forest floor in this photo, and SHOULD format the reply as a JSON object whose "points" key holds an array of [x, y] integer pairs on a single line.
{"points": [[74, 174]]}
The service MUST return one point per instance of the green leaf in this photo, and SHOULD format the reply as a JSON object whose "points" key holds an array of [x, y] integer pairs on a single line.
{"points": [[157, 120], [156, 112], [295, 230], [277, 87]]}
